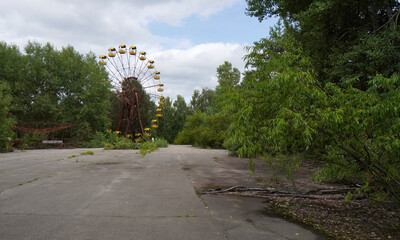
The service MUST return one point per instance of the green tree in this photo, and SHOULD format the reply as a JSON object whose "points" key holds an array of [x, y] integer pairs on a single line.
{"points": [[174, 116], [357, 38], [202, 130], [227, 75], [288, 111], [166, 122], [179, 116], [6, 123], [201, 101]]}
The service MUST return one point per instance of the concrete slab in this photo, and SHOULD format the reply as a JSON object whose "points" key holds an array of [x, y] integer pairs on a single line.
{"points": [[60, 194]]}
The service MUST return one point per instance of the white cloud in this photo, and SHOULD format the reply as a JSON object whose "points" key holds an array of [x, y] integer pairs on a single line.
{"points": [[184, 70], [95, 21]]}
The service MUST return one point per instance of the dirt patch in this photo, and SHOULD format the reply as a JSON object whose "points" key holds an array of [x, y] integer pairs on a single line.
{"points": [[357, 219], [321, 206]]}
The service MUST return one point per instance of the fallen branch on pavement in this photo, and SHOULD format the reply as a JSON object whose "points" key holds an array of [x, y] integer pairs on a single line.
{"points": [[260, 192]]}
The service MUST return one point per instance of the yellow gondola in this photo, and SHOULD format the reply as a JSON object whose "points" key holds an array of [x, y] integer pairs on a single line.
{"points": [[157, 75], [154, 120], [148, 135], [154, 126], [160, 97], [150, 64], [103, 59], [158, 110], [138, 134], [142, 56], [160, 90], [132, 50], [160, 85], [122, 49], [147, 129], [137, 139], [159, 115], [111, 52], [161, 103]]}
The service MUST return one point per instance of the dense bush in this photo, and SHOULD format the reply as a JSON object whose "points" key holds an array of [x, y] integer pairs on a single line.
{"points": [[161, 142], [112, 140], [202, 130]]}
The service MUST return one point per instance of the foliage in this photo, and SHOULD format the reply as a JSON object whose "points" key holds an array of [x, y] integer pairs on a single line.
{"points": [[112, 140], [287, 110], [227, 75], [165, 123], [283, 165], [327, 30], [121, 143], [33, 140], [62, 86], [191, 129], [161, 143], [202, 130], [6, 123], [87, 153], [147, 147], [201, 101], [174, 116], [98, 140]]}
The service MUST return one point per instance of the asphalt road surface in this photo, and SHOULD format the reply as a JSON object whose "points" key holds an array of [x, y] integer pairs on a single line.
{"points": [[117, 194]]}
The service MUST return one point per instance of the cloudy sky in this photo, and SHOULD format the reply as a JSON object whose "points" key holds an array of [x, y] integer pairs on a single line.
{"points": [[188, 39]]}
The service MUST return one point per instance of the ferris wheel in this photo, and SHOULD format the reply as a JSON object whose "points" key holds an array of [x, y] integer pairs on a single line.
{"points": [[134, 77]]}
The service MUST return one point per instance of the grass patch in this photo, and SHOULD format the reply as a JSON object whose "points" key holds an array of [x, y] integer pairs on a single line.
{"points": [[87, 153]]}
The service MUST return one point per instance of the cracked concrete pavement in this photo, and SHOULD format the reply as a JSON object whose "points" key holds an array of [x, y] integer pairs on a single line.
{"points": [[117, 194]]}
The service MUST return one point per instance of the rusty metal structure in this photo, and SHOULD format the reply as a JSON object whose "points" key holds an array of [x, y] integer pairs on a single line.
{"points": [[57, 135], [42, 129], [133, 77]]}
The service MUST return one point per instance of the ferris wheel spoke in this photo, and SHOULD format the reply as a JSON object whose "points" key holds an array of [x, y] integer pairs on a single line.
{"points": [[139, 69], [142, 68], [151, 86], [120, 58], [136, 59], [113, 76], [128, 56], [116, 67], [147, 70], [148, 78]]}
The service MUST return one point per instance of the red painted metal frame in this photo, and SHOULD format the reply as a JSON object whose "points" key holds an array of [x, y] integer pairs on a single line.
{"points": [[130, 101]]}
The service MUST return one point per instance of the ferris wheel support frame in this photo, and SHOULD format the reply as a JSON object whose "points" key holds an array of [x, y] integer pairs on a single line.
{"points": [[130, 106]]}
